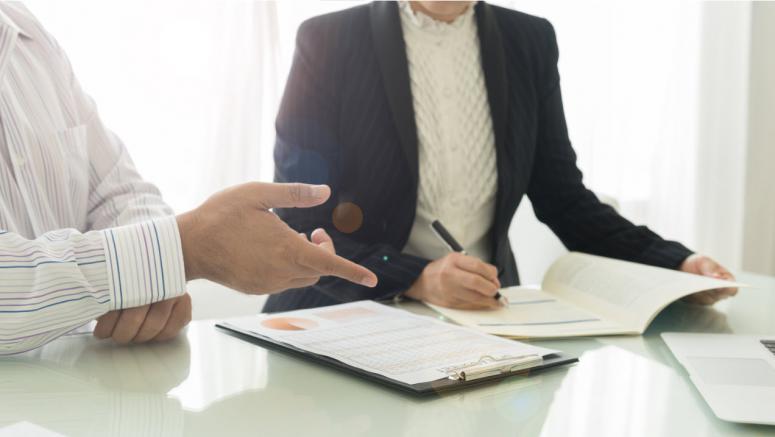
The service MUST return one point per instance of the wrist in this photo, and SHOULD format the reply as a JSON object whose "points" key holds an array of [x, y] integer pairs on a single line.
{"points": [[686, 263], [416, 290], [187, 229]]}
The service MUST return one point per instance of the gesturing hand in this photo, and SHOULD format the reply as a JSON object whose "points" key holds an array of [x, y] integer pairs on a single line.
{"points": [[159, 321], [457, 281], [702, 265], [235, 239]]}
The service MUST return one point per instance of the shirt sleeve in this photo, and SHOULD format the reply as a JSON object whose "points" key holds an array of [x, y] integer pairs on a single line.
{"points": [[63, 279]]}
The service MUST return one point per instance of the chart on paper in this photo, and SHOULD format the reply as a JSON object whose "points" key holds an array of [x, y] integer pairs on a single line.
{"points": [[386, 341], [529, 311]]}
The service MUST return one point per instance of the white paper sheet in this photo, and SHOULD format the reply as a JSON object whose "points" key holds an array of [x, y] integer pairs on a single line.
{"points": [[531, 313], [629, 293], [383, 340]]}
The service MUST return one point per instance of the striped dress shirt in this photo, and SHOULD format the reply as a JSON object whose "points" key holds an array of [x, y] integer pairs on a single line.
{"points": [[81, 233]]}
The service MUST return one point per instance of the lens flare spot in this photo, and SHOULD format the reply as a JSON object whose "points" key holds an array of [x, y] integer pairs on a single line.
{"points": [[347, 217]]}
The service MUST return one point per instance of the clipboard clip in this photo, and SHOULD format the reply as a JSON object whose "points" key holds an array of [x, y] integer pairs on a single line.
{"points": [[489, 365]]}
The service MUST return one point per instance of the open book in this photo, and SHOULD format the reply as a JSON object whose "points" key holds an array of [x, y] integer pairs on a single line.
{"points": [[587, 295]]}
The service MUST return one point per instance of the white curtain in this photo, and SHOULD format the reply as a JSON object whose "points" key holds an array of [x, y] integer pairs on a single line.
{"points": [[191, 86], [654, 94], [759, 226]]}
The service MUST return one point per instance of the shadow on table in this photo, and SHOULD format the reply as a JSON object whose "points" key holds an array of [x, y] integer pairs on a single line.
{"points": [[684, 317]]}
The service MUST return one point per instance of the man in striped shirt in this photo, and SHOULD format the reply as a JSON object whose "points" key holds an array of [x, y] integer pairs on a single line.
{"points": [[84, 237]]}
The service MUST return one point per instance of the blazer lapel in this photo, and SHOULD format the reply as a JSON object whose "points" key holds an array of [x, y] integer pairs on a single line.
{"points": [[494, 67], [391, 53]]}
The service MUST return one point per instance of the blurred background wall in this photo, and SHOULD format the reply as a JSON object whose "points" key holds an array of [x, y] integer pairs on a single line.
{"points": [[759, 213], [669, 105]]}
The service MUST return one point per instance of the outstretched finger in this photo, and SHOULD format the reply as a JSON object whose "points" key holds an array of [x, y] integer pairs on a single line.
{"points": [[293, 195], [325, 263]]}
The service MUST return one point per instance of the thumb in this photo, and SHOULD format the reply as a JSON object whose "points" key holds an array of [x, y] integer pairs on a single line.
{"points": [[322, 239], [708, 267], [320, 236], [292, 195]]}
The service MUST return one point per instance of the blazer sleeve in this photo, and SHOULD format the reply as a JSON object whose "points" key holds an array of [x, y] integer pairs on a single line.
{"points": [[308, 149], [561, 200]]}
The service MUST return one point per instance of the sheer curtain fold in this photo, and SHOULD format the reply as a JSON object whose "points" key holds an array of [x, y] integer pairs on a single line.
{"points": [[248, 72], [191, 86]]}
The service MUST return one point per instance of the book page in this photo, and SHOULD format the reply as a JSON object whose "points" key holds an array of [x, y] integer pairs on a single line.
{"points": [[383, 340], [533, 313], [629, 293]]}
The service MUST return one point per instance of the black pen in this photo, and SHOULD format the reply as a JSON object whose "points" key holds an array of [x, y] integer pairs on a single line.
{"points": [[451, 243]]}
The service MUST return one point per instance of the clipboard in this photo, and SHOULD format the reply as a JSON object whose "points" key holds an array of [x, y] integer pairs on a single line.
{"points": [[485, 371]]}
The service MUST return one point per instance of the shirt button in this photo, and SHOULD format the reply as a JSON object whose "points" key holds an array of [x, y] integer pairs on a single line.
{"points": [[448, 93], [19, 160], [440, 43]]}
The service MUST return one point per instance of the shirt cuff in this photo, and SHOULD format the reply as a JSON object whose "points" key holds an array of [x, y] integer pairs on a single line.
{"points": [[144, 263]]}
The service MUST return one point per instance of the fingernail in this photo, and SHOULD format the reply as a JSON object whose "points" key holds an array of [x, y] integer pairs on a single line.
{"points": [[369, 281], [319, 191]]}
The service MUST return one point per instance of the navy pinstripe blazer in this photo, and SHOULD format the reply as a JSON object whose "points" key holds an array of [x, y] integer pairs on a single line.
{"points": [[347, 120]]}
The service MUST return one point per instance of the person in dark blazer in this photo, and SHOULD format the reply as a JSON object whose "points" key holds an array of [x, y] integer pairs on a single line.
{"points": [[415, 111]]}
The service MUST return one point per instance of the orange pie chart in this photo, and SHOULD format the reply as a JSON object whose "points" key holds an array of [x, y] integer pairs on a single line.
{"points": [[289, 324]]}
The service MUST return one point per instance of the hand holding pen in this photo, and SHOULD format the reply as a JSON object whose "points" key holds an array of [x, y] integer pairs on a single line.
{"points": [[453, 245], [458, 281]]}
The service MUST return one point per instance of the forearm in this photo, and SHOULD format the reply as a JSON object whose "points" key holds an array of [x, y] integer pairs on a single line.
{"points": [[585, 224], [63, 279]]}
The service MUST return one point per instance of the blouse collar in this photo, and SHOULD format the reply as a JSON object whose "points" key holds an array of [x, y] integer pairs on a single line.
{"points": [[424, 22]]}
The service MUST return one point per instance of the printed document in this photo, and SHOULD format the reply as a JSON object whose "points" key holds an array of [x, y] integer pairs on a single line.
{"points": [[384, 340]]}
